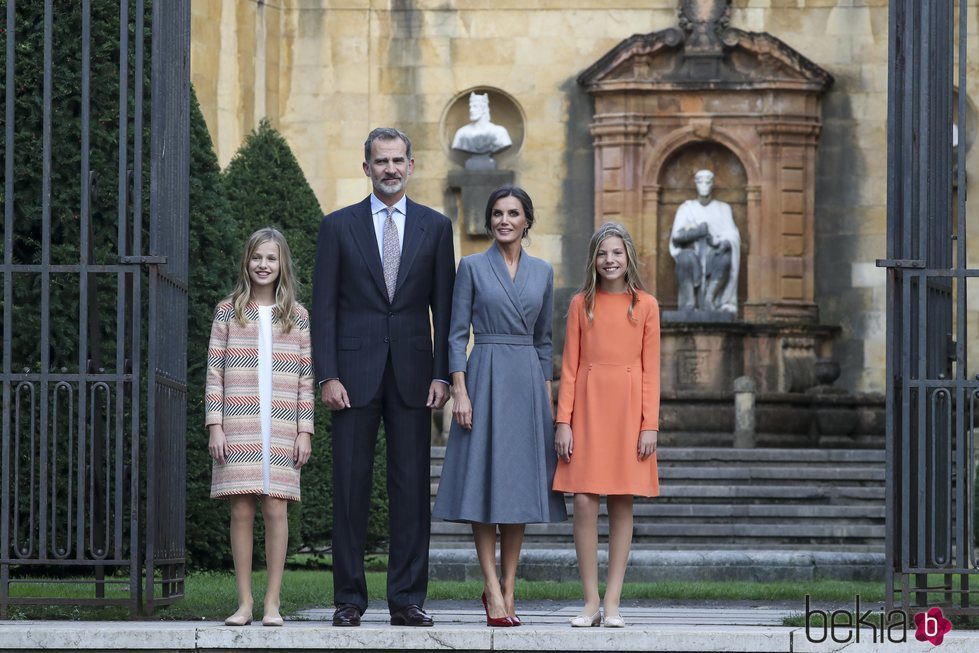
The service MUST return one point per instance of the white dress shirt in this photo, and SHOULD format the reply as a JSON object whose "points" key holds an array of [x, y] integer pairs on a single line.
{"points": [[379, 212]]}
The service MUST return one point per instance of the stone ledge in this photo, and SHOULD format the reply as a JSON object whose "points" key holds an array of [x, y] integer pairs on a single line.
{"points": [[657, 566], [97, 636], [315, 637], [312, 638]]}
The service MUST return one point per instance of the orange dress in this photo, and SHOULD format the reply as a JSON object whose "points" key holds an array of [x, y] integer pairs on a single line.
{"points": [[609, 393]]}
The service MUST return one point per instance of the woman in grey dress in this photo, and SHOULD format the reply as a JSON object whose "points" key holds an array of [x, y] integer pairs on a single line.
{"points": [[500, 460]]}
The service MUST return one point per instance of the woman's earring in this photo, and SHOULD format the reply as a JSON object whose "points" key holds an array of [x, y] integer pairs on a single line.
{"points": [[525, 230]]}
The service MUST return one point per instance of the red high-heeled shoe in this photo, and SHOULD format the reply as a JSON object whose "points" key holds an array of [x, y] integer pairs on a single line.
{"points": [[497, 622]]}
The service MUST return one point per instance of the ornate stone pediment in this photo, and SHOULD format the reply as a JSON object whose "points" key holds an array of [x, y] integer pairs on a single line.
{"points": [[704, 94], [736, 59]]}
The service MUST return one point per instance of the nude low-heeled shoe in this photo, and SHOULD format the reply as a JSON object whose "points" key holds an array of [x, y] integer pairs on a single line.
{"points": [[271, 621], [614, 622], [587, 621], [238, 620]]}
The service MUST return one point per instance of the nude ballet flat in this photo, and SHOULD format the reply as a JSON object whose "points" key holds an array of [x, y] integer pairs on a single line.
{"points": [[614, 622], [271, 621], [238, 620], [587, 621]]}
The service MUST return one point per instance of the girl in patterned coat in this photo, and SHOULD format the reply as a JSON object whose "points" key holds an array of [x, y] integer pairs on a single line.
{"points": [[259, 404]]}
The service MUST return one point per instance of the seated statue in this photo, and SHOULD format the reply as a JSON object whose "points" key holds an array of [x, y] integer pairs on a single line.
{"points": [[706, 245], [480, 136]]}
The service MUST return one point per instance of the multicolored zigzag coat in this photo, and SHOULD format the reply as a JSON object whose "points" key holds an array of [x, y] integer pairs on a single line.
{"points": [[231, 399]]}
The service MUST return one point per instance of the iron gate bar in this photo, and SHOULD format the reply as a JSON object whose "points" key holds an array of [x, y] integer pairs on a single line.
{"points": [[132, 284], [167, 348], [45, 273], [85, 493], [964, 489], [8, 239]]}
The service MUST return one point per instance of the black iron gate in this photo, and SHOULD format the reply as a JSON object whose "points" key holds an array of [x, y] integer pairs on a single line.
{"points": [[93, 460], [931, 401]]}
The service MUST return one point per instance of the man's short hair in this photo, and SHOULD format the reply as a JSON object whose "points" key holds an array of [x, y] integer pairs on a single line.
{"points": [[385, 134]]}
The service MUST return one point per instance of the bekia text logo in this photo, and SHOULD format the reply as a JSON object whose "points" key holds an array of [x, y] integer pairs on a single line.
{"points": [[844, 626], [931, 626]]}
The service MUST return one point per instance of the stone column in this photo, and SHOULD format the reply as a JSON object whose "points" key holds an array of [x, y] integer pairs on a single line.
{"points": [[782, 263], [648, 244], [754, 288], [618, 143]]}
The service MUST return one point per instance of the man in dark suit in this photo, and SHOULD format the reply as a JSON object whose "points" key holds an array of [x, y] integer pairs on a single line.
{"points": [[382, 287]]}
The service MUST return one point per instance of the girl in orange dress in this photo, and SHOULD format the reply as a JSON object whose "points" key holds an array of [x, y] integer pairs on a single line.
{"points": [[608, 411]]}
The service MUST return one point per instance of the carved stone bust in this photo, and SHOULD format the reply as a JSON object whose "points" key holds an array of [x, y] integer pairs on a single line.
{"points": [[480, 136]]}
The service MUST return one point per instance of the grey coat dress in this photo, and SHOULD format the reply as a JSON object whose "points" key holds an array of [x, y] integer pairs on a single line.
{"points": [[501, 471]]}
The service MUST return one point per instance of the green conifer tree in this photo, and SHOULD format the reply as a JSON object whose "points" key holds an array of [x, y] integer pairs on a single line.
{"points": [[214, 239]]}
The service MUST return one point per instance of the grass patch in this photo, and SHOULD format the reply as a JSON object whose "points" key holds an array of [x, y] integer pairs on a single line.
{"points": [[211, 595], [208, 596]]}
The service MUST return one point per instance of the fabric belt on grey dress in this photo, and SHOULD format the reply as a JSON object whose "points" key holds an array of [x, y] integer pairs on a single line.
{"points": [[503, 339]]}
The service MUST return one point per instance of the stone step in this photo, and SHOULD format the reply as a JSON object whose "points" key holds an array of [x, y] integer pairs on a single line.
{"points": [[675, 545], [679, 512], [647, 564], [830, 499], [752, 532], [779, 493], [763, 493], [755, 473], [850, 474], [725, 454]]}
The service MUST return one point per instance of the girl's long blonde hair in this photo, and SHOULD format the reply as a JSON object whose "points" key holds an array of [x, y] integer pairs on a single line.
{"points": [[285, 285], [633, 281]]}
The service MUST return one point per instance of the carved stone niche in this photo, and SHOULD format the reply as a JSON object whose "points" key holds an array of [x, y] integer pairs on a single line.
{"points": [[705, 95]]}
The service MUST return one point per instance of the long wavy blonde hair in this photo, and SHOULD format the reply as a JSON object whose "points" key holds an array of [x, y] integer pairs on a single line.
{"points": [[633, 281], [286, 285]]}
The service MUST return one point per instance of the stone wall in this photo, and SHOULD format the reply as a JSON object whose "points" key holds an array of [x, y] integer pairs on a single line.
{"points": [[326, 71]]}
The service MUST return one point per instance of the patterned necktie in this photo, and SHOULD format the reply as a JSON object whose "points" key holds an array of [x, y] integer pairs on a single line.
{"points": [[391, 258]]}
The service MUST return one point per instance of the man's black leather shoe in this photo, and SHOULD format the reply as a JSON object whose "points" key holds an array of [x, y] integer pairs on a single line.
{"points": [[411, 615], [346, 615]]}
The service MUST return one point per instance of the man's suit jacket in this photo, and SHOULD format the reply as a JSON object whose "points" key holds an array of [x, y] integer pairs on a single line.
{"points": [[355, 327]]}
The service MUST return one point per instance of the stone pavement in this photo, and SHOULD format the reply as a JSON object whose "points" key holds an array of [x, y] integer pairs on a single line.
{"points": [[741, 627]]}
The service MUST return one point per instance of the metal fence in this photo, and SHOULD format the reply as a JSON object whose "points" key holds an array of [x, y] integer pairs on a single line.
{"points": [[931, 401], [93, 461]]}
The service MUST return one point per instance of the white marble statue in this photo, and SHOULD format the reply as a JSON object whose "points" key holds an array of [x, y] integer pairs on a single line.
{"points": [[706, 245], [480, 136]]}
